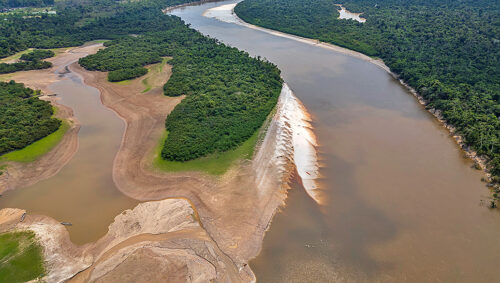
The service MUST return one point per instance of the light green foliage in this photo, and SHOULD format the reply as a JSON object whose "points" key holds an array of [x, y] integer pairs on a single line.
{"points": [[213, 164], [38, 148], [20, 257]]}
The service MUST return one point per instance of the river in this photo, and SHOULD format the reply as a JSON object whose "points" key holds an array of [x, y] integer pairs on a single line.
{"points": [[83, 192], [401, 203]]}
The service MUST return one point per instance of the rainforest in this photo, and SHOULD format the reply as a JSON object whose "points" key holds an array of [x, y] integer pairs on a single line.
{"points": [[446, 50]]}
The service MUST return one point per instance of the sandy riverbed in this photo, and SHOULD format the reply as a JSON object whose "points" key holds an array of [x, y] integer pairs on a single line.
{"points": [[24, 174], [235, 210]]}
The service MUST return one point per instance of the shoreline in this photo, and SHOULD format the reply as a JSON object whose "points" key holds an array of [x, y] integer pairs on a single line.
{"points": [[469, 153], [234, 208], [21, 174], [151, 231]]}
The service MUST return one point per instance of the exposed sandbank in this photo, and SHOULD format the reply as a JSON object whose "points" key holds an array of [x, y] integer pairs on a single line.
{"points": [[152, 241], [17, 174], [235, 208], [226, 13], [344, 14]]}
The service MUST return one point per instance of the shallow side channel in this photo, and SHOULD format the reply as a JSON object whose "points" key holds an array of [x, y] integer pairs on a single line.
{"points": [[83, 192]]}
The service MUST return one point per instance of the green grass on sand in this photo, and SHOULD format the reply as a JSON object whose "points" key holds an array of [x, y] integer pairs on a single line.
{"points": [[38, 148], [20, 257], [213, 164]]}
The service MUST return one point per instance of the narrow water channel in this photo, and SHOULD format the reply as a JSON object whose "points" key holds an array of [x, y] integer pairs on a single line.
{"points": [[402, 203], [83, 192]]}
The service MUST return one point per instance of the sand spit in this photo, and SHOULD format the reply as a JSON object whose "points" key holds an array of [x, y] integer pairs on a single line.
{"points": [[19, 175], [236, 208], [226, 13], [289, 145], [346, 15], [159, 239]]}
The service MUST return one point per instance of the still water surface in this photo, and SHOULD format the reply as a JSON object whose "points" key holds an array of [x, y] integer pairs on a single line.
{"points": [[83, 192], [401, 202]]}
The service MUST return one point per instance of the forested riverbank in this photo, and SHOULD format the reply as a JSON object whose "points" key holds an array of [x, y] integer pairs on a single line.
{"points": [[24, 118], [446, 50], [229, 94]]}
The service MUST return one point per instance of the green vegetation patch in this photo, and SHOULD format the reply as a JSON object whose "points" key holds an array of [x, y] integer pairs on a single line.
{"points": [[38, 148], [214, 164], [229, 94], [21, 257], [37, 54], [126, 74], [15, 56], [24, 118]]}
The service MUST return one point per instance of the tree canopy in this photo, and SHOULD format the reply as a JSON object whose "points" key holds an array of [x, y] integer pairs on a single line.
{"points": [[24, 118], [447, 50]]}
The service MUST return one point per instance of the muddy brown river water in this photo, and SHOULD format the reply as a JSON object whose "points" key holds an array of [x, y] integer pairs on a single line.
{"points": [[83, 192], [401, 202]]}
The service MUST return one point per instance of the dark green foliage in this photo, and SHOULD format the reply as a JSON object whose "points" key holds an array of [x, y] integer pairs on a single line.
{"points": [[77, 22], [25, 3], [126, 74], [24, 118], [447, 50], [229, 94], [24, 66], [37, 54]]}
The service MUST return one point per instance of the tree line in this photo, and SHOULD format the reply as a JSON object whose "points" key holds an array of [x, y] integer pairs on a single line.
{"points": [[24, 118], [447, 50], [229, 94]]}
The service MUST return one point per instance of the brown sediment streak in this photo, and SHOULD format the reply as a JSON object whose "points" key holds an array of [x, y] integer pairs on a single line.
{"points": [[289, 146]]}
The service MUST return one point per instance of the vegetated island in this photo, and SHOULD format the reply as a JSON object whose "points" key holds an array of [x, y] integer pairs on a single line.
{"points": [[446, 50]]}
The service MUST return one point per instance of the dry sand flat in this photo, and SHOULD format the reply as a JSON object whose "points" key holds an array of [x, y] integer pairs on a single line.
{"points": [[233, 209], [153, 241], [19, 175]]}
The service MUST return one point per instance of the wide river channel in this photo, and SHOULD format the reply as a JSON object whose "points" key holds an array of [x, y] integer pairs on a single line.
{"points": [[401, 201]]}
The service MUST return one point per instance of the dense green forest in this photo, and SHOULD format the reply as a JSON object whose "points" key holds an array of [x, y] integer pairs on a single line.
{"points": [[126, 74], [28, 61], [77, 22], [25, 3], [37, 54], [23, 117], [447, 50], [229, 94]]}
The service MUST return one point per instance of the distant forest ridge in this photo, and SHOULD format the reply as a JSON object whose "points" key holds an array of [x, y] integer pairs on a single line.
{"points": [[447, 50], [25, 3]]}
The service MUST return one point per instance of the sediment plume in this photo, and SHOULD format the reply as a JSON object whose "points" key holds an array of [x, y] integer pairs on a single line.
{"points": [[289, 144]]}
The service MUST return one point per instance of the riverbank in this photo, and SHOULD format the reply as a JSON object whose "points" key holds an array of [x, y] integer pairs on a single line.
{"points": [[22, 174], [225, 11], [153, 240], [235, 208]]}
